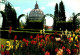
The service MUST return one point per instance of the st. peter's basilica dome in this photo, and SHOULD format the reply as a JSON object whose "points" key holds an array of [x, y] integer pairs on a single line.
{"points": [[36, 13]]}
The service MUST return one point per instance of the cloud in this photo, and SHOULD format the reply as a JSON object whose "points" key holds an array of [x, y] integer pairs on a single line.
{"points": [[2, 7], [67, 16], [73, 5], [42, 8], [27, 10], [52, 4], [17, 8]]}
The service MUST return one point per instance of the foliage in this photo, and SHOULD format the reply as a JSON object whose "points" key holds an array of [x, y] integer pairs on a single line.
{"points": [[11, 15], [62, 16]]}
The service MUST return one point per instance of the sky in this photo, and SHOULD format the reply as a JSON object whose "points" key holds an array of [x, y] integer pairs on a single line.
{"points": [[47, 6]]}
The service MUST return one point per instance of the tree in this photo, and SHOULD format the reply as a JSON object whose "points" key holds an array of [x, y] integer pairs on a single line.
{"points": [[56, 12], [62, 16], [55, 16], [11, 15]]}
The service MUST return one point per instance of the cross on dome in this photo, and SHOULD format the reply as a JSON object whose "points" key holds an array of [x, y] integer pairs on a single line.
{"points": [[36, 5]]}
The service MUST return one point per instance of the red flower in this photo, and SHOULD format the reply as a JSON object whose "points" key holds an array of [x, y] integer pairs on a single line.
{"points": [[69, 38], [47, 53], [63, 47], [2, 53], [31, 37], [52, 38], [43, 50], [41, 40], [59, 34], [61, 44], [56, 49], [21, 37], [2, 46], [27, 41], [55, 33], [10, 29], [41, 45], [41, 36], [33, 42], [24, 40], [45, 38], [77, 46], [28, 53], [68, 51], [74, 50], [7, 53], [26, 44], [15, 37], [79, 36], [37, 36]]}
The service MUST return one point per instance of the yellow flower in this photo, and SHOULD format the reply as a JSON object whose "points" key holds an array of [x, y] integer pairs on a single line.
{"points": [[76, 38], [72, 39], [41, 31], [39, 43], [8, 48], [70, 35], [73, 35], [74, 44], [16, 47], [7, 43], [21, 45], [11, 46]]}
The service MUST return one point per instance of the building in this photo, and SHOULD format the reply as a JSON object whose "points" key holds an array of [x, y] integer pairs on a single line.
{"points": [[35, 19]]}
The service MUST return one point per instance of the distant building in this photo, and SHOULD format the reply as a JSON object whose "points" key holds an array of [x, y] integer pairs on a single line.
{"points": [[35, 18]]}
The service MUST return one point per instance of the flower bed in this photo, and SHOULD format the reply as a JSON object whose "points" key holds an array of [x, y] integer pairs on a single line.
{"points": [[57, 44]]}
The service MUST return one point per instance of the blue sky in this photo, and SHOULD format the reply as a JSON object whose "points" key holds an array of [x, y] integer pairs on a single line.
{"points": [[47, 6]]}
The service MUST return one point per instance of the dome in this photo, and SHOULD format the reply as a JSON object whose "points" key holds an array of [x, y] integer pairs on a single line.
{"points": [[36, 13]]}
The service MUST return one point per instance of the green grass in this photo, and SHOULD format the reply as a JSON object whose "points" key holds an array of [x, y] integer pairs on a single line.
{"points": [[3, 41]]}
